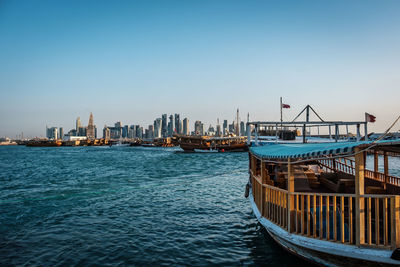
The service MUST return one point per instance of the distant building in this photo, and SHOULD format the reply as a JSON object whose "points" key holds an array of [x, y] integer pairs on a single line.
{"points": [[78, 124], [61, 132], [151, 132], [231, 127], [185, 126], [90, 132], [242, 128], [139, 131], [164, 125], [157, 128], [198, 128], [106, 133], [52, 133], [118, 124], [218, 132], [225, 128], [125, 131], [171, 125], [178, 129], [211, 130], [132, 131], [81, 131]]}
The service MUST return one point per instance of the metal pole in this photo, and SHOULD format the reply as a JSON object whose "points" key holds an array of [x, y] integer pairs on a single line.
{"points": [[256, 135], [366, 131]]}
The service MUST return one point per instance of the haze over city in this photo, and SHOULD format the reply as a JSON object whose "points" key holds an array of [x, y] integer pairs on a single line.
{"points": [[133, 61]]}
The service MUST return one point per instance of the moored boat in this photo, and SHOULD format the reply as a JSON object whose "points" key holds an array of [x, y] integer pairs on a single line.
{"points": [[322, 202], [208, 143], [44, 143]]}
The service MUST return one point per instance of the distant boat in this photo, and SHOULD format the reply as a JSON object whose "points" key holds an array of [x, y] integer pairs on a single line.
{"points": [[120, 143], [44, 143], [208, 143]]}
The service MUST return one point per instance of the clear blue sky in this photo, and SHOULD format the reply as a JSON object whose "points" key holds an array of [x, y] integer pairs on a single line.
{"points": [[133, 60]]}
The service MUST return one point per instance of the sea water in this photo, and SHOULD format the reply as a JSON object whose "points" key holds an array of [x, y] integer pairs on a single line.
{"points": [[129, 206]]}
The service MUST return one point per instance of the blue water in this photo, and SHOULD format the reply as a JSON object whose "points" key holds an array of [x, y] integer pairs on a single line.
{"points": [[128, 206]]}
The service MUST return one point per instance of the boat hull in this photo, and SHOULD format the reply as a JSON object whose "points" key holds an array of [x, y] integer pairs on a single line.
{"points": [[322, 252], [228, 148]]}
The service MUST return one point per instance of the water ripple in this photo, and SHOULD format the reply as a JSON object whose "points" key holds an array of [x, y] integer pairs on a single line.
{"points": [[128, 206]]}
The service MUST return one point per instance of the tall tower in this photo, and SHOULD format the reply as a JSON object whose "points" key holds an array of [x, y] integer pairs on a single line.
{"points": [[90, 133], [237, 123], [78, 124]]}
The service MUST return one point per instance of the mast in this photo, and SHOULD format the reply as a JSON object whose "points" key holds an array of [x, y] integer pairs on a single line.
{"points": [[281, 109]]}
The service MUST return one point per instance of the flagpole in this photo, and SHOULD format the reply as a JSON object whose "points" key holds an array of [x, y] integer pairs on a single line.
{"points": [[365, 127], [281, 109]]}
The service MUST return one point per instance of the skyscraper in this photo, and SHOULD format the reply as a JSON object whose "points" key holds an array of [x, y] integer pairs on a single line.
{"points": [[242, 129], [198, 128], [224, 127], [171, 125], [90, 132], [52, 133], [61, 132], [78, 124], [218, 132], [157, 128], [178, 129], [106, 133], [185, 126], [164, 130]]}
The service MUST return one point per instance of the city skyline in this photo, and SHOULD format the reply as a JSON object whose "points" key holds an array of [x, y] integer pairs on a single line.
{"points": [[160, 128], [133, 61]]}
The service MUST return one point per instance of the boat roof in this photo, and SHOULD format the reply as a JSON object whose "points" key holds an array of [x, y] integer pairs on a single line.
{"points": [[313, 150]]}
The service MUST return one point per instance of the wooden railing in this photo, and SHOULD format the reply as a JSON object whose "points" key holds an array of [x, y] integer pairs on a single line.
{"points": [[324, 216], [331, 217], [347, 166]]}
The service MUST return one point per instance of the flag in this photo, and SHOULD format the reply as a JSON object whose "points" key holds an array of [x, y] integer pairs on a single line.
{"points": [[369, 117], [285, 106]]}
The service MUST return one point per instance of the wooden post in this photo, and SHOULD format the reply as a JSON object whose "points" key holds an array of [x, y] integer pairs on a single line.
{"points": [[263, 181], [290, 202], [360, 210], [385, 167], [395, 223], [358, 133]]}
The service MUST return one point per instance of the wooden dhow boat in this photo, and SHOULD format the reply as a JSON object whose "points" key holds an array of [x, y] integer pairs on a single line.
{"points": [[323, 202], [216, 144]]}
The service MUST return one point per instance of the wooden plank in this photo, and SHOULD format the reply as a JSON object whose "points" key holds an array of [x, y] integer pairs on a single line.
{"points": [[377, 236], [302, 214], [385, 222], [290, 196], [395, 222], [351, 219], [308, 216], [327, 219], [369, 220], [342, 219], [321, 226], [315, 216], [334, 219], [359, 186]]}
